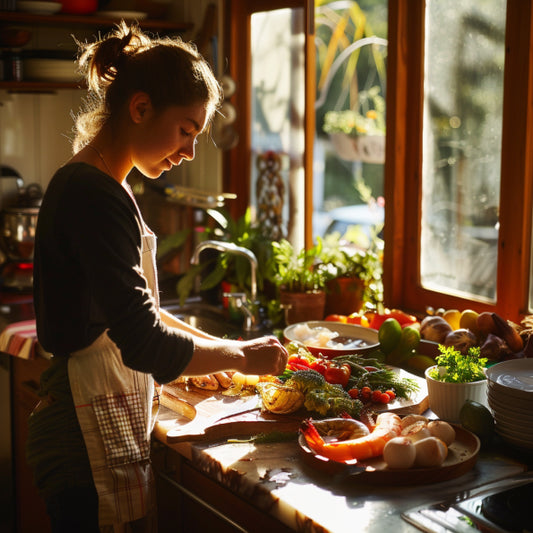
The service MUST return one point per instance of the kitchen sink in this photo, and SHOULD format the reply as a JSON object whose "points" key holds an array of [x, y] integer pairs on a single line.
{"points": [[209, 318]]}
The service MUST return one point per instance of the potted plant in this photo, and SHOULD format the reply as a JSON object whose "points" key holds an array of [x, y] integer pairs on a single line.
{"points": [[359, 134], [353, 275], [300, 277], [454, 379]]}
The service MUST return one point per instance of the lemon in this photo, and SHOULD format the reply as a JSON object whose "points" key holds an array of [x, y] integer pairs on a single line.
{"points": [[468, 320], [475, 417], [453, 317], [389, 335]]}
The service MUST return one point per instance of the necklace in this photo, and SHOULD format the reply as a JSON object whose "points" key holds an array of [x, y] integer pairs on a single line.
{"points": [[102, 158]]}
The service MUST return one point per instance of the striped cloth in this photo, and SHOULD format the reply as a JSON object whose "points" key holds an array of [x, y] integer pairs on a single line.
{"points": [[20, 339]]}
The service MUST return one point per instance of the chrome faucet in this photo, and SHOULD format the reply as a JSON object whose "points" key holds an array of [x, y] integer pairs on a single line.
{"points": [[250, 317]]}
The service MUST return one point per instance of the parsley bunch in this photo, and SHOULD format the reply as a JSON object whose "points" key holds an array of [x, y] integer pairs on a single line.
{"points": [[455, 367]]}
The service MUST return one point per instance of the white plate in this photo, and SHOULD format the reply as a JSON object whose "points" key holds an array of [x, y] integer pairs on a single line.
{"points": [[521, 443], [514, 376], [39, 69], [127, 15], [503, 409], [39, 8]]}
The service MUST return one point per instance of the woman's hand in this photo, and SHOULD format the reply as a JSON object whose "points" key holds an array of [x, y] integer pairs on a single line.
{"points": [[264, 355]]}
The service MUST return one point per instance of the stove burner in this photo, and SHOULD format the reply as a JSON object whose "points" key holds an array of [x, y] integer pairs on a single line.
{"points": [[511, 509]]}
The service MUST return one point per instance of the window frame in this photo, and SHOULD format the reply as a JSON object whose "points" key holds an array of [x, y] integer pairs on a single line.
{"points": [[403, 166]]}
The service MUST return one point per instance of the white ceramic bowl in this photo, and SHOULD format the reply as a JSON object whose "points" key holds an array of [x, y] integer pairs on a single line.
{"points": [[314, 334], [447, 399]]}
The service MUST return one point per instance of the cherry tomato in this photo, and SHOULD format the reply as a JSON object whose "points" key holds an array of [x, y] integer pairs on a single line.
{"points": [[384, 398], [354, 393], [338, 374], [365, 393], [376, 396], [391, 394]]}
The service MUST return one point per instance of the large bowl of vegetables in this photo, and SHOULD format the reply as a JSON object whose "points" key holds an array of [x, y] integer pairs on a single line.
{"points": [[331, 339]]}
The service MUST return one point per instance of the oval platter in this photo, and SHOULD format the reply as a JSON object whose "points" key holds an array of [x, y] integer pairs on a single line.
{"points": [[462, 456]]}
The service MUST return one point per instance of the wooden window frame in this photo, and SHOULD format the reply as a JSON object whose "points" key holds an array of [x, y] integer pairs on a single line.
{"points": [[403, 167]]}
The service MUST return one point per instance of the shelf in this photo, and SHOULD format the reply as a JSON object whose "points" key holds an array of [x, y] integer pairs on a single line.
{"points": [[88, 20], [38, 86], [61, 19]]}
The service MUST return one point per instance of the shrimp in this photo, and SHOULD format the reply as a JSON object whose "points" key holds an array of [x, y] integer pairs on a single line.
{"points": [[388, 426]]}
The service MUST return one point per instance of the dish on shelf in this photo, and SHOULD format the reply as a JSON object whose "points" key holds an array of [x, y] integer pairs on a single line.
{"points": [[39, 8], [42, 69], [127, 15]]}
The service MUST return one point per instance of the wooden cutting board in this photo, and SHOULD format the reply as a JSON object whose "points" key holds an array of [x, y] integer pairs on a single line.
{"points": [[213, 415]]}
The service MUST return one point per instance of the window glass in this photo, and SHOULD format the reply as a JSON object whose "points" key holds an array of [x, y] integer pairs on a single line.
{"points": [[349, 149], [463, 95], [278, 103]]}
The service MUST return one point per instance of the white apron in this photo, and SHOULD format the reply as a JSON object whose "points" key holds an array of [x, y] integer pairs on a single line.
{"points": [[114, 408]]}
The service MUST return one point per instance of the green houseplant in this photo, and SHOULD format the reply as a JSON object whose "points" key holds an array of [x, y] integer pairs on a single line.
{"points": [[454, 379], [300, 277]]}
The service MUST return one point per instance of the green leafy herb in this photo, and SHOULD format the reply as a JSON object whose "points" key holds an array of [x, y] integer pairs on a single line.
{"points": [[455, 367]]}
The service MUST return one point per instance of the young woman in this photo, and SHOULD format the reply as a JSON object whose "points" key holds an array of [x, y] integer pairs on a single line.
{"points": [[95, 289]]}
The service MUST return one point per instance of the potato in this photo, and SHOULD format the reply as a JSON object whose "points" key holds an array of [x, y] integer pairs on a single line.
{"points": [[399, 452], [442, 430], [430, 451]]}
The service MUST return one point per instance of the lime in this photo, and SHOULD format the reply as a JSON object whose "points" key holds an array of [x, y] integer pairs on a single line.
{"points": [[420, 362], [475, 417], [389, 335]]}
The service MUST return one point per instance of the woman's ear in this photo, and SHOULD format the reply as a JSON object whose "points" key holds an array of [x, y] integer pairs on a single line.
{"points": [[140, 105]]}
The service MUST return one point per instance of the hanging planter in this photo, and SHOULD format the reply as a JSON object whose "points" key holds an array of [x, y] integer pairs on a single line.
{"points": [[364, 148]]}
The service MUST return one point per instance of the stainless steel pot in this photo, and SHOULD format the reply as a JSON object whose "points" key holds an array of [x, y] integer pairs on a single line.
{"points": [[18, 232]]}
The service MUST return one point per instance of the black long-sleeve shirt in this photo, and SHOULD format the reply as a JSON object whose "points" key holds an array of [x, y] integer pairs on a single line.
{"points": [[88, 276]]}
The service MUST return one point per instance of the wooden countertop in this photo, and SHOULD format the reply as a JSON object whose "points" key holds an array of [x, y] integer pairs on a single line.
{"points": [[275, 478]]}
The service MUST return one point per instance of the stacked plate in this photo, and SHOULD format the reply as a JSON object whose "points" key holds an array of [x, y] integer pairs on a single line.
{"points": [[510, 396]]}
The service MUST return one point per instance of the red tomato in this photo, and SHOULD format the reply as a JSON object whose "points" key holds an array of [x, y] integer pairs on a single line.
{"points": [[319, 365], [336, 318], [354, 393], [356, 318], [365, 393], [391, 394], [403, 318], [384, 398], [338, 374], [376, 396]]}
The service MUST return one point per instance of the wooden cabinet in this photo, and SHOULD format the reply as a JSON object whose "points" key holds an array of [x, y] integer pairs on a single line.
{"points": [[72, 22], [191, 502], [30, 509]]}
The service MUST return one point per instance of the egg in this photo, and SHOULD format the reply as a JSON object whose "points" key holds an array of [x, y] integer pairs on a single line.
{"points": [[411, 419], [430, 451], [416, 431], [399, 452], [442, 430]]}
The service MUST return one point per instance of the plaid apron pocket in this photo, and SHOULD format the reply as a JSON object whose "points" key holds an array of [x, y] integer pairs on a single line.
{"points": [[122, 422]]}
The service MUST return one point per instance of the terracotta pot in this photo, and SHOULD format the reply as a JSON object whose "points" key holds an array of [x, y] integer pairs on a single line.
{"points": [[303, 306], [446, 399], [344, 296]]}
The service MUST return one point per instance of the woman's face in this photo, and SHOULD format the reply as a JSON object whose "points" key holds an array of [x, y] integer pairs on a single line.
{"points": [[165, 138]]}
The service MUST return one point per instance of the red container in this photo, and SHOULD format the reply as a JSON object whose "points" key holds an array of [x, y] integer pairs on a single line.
{"points": [[79, 7]]}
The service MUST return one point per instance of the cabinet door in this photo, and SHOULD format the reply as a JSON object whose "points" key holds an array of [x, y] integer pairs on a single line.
{"points": [[30, 509]]}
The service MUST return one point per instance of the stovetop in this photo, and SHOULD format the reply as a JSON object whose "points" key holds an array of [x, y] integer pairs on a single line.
{"points": [[504, 506]]}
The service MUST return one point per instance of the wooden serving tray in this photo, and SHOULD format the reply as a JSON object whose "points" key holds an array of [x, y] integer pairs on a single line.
{"points": [[462, 456]]}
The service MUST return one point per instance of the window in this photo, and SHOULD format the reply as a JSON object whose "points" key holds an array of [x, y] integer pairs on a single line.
{"points": [[458, 173]]}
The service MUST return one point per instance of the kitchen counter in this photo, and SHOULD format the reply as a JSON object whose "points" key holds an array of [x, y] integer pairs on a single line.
{"points": [[274, 480]]}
